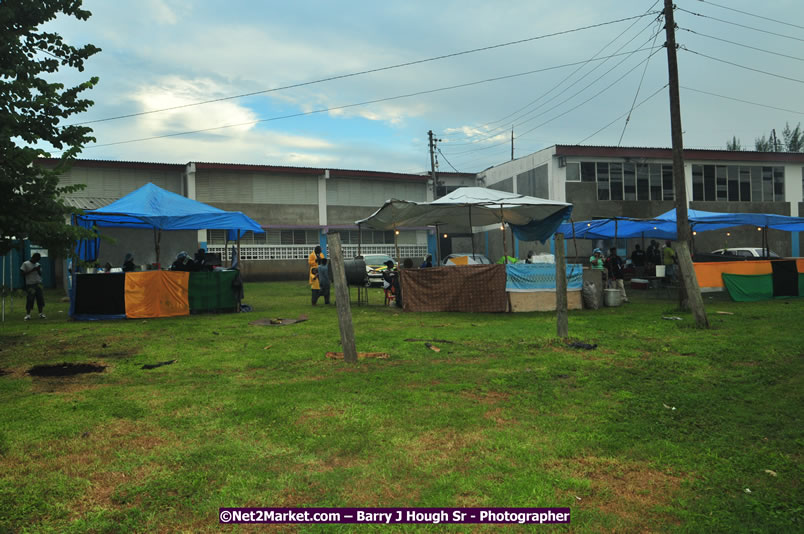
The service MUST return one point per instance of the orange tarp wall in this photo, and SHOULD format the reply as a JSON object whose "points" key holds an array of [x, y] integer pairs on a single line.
{"points": [[709, 273], [157, 294]]}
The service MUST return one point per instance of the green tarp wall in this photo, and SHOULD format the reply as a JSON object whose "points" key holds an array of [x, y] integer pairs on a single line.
{"points": [[211, 292], [754, 287]]}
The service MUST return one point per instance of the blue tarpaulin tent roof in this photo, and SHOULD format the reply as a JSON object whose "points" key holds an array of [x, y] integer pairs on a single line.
{"points": [[664, 226], [153, 207]]}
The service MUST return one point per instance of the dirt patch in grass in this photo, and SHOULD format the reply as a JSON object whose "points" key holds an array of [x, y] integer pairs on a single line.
{"points": [[445, 447], [315, 418], [498, 416], [627, 489], [486, 397], [65, 369]]}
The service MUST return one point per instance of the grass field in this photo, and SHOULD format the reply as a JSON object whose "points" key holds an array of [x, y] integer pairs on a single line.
{"points": [[661, 428]]}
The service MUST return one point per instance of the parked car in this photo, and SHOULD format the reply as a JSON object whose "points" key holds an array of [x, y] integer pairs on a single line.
{"points": [[471, 259], [745, 252], [375, 265]]}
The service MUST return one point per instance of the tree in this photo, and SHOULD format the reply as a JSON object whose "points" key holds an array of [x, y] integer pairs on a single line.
{"points": [[763, 144], [31, 110], [734, 144], [793, 139]]}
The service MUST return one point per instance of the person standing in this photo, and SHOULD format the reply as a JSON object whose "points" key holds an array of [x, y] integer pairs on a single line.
{"points": [[323, 281], [669, 256], [638, 259], [32, 272], [427, 263], [614, 265]]}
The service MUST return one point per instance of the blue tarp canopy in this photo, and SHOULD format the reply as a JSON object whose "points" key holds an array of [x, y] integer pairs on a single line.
{"points": [[664, 226], [623, 228], [703, 221], [152, 207]]}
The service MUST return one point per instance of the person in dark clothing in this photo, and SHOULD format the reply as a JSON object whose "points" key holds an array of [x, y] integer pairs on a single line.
{"points": [[182, 263], [128, 263], [638, 258], [614, 265], [324, 283], [200, 261], [653, 254], [390, 281], [428, 262]]}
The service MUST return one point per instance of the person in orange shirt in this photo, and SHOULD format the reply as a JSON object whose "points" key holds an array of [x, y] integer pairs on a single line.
{"points": [[312, 262]]}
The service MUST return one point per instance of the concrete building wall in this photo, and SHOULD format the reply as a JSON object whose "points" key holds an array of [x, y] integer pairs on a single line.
{"points": [[105, 182]]}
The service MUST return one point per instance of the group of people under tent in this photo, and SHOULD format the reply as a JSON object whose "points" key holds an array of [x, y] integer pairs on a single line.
{"points": [[613, 266], [198, 263]]}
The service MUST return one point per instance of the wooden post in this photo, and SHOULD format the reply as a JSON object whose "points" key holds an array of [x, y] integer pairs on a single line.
{"points": [[562, 322], [342, 301], [691, 291]]}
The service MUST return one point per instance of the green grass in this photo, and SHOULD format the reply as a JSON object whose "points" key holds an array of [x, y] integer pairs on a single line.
{"points": [[506, 415]]}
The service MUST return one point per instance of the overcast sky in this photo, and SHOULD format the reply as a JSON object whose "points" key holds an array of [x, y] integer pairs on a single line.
{"points": [[164, 53]]}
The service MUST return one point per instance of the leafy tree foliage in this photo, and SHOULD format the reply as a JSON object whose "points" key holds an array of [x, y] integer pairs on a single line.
{"points": [[792, 141], [734, 144], [32, 108]]}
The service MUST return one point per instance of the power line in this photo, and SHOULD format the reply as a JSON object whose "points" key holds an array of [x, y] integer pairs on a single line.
{"points": [[448, 162], [740, 25], [569, 110], [579, 68], [741, 44], [743, 101], [336, 108], [753, 14], [369, 71], [491, 134], [624, 114], [628, 118], [743, 66]]}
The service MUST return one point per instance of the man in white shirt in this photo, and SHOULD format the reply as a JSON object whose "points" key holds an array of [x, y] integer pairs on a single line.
{"points": [[32, 272]]}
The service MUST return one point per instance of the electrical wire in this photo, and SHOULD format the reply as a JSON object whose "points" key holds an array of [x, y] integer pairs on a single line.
{"points": [[752, 14], [740, 25], [493, 132], [361, 73], [742, 66], [448, 162], [741, 44], [569, 110], [336, 108], [742, 101], [483, 138], [628, 118], [660, 89], [579, 68]]}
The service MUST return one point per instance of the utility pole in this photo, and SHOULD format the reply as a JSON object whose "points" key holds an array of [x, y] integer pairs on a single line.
{"points": [[512, 143], [688, 278], [432, 163]]}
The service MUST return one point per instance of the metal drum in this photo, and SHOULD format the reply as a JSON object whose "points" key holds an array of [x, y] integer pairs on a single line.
{"points": [[355, 272]]}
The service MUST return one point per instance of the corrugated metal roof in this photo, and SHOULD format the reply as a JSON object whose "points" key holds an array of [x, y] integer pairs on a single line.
{"points": [[88, 203], [689, 153]]}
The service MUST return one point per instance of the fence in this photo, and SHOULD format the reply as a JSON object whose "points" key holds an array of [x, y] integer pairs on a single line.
{"points": [[301, 252]]}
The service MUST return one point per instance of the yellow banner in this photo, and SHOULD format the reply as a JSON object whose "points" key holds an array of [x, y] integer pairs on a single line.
{"points": [[157, 294]]}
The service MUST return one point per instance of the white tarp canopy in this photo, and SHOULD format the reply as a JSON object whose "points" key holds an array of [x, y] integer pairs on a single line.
{"points": [[469, 208]]}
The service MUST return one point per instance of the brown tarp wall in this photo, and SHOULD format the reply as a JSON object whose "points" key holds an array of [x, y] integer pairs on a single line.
{"points": [[466, 288]]}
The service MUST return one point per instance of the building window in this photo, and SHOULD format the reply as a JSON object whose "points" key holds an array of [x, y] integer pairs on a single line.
{"points": [[629, 181], [573, 172], [643, 184], [603, 181], [616, 180], [733, 183], [588, 171]]}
